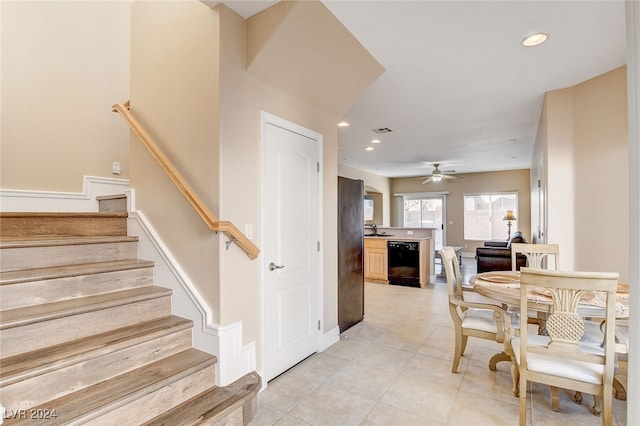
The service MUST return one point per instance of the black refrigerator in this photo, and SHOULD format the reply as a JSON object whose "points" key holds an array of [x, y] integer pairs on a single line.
{"points": [[350, 252]]}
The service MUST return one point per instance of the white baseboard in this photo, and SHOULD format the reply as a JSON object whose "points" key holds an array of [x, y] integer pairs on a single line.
{"points": [[16, 200], [329, 338], [224, 341]]}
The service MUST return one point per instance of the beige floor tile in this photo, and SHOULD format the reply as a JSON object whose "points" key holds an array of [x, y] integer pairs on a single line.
{"points": [[413, 327], [284, 392], [394, 368], [421, 396], [385, 415], [347, 348], [492, 384], [365, 331], [444, 349], [331, 406], [446, 333], [434, 371], [290, 421], [266, 416], [428, 318], [570, 413], [384, 358], [367, 381], [403, 340], [320, 367], [620, 412], [481, 355], [474, 409]]}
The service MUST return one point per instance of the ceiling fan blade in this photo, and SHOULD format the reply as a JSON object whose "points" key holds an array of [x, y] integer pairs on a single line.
{"points": [[428, 180]]}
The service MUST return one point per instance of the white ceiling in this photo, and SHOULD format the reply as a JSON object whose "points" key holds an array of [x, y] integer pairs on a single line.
{"points": [[459, 89]]}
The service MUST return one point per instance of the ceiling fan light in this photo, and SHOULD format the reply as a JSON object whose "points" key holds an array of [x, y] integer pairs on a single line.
{"points": [[436, 178]]}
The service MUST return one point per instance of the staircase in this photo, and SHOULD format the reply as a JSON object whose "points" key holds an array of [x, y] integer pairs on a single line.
{"points": [[86, 338]]}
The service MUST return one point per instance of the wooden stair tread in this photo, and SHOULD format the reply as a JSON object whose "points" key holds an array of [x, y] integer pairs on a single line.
{"points": [[211, 405], [26, 275], [31, 314], [63, 215], [26, 365], [46, 240], [106, 396], [215, 403]]}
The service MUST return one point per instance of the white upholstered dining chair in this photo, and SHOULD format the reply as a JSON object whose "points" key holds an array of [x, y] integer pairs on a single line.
{"points": [[474, 319], [560, 359]]}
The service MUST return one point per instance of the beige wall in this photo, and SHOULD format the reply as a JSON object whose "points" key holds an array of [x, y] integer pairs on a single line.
{"points": [[559, 183], [474, 183], [191, 89], [583, 136], [244, 98], [63, 65], [174, 94], [601, 150], [376, 184]]}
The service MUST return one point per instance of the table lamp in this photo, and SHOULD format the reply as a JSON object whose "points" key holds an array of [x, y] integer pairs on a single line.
{"points": [[509, 216]]}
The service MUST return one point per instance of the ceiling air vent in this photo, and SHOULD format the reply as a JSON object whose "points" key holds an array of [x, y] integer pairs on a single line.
{"points": [[383, 130]]}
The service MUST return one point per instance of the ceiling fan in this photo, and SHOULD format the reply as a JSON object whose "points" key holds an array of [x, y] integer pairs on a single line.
{"points": [[438, 176]]}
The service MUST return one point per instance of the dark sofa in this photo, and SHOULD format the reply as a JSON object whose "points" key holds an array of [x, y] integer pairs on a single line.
{"points": [[496, 254]]}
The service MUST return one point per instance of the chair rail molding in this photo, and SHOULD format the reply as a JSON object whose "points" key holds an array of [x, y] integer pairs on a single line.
{"points": [[21, 200]]}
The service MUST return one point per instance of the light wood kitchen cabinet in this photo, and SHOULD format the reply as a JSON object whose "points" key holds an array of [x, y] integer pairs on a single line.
{"points": [[375, 260]]}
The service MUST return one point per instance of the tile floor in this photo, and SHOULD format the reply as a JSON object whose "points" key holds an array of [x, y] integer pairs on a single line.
{"points": [[394, 368]]}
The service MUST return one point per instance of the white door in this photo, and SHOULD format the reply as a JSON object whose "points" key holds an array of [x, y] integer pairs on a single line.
{"points": [[291, 256]]}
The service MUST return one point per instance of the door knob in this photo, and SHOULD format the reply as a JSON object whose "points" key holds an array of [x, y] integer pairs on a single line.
{"points": [[273, 266]]}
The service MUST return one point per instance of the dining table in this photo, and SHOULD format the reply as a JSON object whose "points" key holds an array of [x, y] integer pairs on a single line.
{"points": [[504, 288]]}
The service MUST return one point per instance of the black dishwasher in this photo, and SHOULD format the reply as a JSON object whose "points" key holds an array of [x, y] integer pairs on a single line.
{"points": [[404, 263]]}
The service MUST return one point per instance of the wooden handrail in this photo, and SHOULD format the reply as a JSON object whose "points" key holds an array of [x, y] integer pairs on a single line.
{"points": [[189, 193]]}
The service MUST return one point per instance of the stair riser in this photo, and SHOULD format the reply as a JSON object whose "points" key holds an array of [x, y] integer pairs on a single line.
{"points": [[21, 258], [62, 381], [52, 290], [113, 205], [29, 337], [148, 406], [32, 226]]}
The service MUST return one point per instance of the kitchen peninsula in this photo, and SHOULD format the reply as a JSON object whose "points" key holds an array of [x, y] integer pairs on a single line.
{"points": [[402, 256]]}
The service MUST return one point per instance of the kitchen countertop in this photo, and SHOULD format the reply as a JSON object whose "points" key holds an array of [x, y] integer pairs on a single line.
{"points": [[397, 237]]}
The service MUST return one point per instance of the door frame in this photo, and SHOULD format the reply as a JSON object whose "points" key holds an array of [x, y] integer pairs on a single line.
{"points": [[270, 119]]}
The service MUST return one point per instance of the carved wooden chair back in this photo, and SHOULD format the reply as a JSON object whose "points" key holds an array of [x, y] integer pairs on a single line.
{"points": [[538, 255], [452, 271], [558, 359], [470, 318]]}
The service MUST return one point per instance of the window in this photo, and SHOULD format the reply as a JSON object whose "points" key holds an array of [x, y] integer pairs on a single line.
{"points": [[483, 215]]}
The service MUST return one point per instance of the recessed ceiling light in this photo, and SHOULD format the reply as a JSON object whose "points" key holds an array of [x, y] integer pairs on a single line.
{"points": [[343, 124], [369, 148], [376, 141], [534, 39]]}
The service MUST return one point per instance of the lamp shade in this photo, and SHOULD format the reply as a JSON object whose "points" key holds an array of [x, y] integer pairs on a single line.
{"points": [[509, 215]]}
